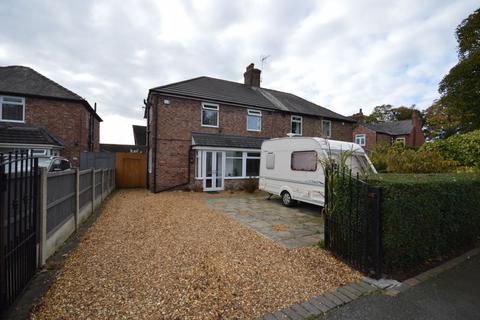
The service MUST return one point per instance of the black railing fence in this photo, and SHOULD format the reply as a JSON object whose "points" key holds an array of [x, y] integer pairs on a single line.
{"points": [[353, 220], [19, 196]]}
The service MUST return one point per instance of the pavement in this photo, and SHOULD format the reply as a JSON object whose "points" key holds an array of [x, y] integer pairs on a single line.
{"points": [[293, 227], [453, 294]]}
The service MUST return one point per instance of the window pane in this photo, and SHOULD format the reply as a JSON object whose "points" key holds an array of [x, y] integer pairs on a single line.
{"points": [[233, 167], [304, 161], [12, 99], [254, 123], [296, 128], [253, 167], [253, 154], [237, 154], [270, 160], [210, 117], [12, 112], [327, 128]]}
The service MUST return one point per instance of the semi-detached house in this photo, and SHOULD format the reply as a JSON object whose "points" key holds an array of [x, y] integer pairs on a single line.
{"points": [[207, 133]]}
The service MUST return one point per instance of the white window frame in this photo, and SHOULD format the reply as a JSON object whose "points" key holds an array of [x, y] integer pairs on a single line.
{"points": [[297, 119], [200, 174], [402, 140], [329, 128], [242, 157], [254, 113], [361, 136], [15, 103], [211, 107]]}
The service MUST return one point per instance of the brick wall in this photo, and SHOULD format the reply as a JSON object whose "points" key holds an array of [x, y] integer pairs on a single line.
{"points": [[370, 137], [176, 122], [67, 120]]}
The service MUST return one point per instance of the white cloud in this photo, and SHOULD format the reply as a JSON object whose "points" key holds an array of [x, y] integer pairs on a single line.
{"points": [[341, 54]]}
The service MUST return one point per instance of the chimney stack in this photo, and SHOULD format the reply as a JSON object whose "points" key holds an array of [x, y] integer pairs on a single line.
{"points": [[252, 76], [359, 117]]}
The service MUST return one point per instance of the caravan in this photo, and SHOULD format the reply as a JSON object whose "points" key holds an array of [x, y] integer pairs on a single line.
{"points": [[292, 167]]}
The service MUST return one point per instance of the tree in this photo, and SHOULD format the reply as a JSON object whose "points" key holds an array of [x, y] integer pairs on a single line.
{"points": [[440, 122], [380, 114], [403, 113], [460, 88]]}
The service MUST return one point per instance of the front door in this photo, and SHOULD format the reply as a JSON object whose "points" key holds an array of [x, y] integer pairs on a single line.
{"points": [[213, 168]]}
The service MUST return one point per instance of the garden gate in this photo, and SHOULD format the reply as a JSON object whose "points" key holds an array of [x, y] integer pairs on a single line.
{"points": [[353, 229], [19, 194]]}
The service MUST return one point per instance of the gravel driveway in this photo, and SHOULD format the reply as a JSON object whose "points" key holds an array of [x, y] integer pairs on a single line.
{"points": [[171, 256]]}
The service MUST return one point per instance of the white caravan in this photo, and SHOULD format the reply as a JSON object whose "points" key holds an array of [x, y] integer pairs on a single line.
{"points": [[292, 167]]}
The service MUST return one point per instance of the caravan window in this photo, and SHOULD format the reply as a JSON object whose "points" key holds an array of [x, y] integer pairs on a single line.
{"points": [[304, 161], [270, 160]]}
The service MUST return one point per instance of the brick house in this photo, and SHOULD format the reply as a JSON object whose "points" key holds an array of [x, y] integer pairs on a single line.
{"points": [[206, 133], [31, 103], [368, 135]]}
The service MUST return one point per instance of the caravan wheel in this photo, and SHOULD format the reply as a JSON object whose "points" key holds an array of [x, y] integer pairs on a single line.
{"points": [[287, 199]]}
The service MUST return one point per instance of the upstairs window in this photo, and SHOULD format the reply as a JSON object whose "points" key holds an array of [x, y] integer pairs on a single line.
{"points": [[297, 125], [360, 139], [254, 120], [12, 109], [327, 128], [209, 115], [304, 161]]}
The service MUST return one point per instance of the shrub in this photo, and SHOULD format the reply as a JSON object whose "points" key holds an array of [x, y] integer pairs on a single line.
{"points": [[427, 216], [250, 185], [397, 159], [464, 148]]}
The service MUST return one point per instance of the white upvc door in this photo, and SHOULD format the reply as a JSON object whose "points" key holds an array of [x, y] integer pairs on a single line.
{"points": [[213, 168]]}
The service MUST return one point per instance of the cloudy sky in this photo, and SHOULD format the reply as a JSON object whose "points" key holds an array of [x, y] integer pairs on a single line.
{"points": [[341, 54]]}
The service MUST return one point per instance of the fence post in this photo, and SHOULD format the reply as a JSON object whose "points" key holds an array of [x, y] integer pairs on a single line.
{"points": [[103, 185], [77, 197], [326, 232], [42, 217], [377, 231], [93, 190]]}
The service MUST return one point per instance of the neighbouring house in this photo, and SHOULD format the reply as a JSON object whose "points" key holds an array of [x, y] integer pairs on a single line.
{"points": [[368, 135], [140, 135], [40, 115], [206, 133]]}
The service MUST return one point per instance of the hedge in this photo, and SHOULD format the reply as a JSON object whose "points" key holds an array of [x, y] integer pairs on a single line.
{"points": [[464, 148], [427, 216]]}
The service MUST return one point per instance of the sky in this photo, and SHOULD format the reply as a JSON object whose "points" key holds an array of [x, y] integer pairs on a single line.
{"points": [[342, 54]]}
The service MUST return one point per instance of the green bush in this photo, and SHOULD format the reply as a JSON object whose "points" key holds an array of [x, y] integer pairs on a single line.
{"points": [[427, 216], [464, 148], [397, 159]]}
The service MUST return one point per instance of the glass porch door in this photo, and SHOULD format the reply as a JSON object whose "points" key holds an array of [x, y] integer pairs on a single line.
{"points": [[213, 168]]}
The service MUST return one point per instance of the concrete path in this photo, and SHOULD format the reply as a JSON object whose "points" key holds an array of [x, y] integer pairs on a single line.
{"points": [[294, 227], [454, 294]]}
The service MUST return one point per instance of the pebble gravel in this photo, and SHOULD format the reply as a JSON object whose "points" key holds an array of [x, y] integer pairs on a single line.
{"points": [[170, 256]]}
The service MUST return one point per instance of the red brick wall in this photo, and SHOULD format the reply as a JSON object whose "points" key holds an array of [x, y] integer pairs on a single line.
{"points": [[370, 137], [177, 121], [66, 120]]}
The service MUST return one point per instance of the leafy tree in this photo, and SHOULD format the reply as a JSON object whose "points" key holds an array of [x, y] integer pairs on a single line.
{"points": [[381, 113], [403, 113], [440, 121], [460, 88]]}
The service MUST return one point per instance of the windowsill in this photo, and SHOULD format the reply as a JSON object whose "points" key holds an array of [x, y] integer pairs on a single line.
{"points": [[232, 178], [206, 126], [14, 121], [254, 130]]}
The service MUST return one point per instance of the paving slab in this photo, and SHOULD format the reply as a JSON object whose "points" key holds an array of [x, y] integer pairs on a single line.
{"points": [[298, 226]]}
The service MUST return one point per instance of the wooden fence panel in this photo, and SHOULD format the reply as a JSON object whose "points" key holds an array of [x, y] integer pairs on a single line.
{"points": [[131, 170]]}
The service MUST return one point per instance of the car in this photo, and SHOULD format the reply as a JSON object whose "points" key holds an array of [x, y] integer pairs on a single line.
{"points": [[54, 163]]}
